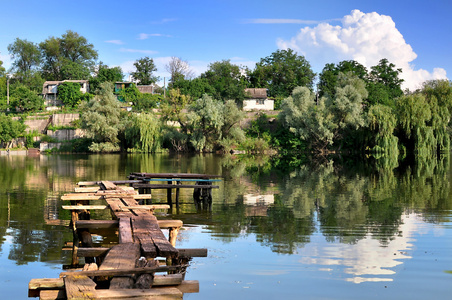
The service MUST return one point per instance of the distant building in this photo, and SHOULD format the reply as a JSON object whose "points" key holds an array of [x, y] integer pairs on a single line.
{"points": [[257, 100], [50, 92]]}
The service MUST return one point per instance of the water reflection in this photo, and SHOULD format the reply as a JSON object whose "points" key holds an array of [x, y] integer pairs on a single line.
{"points": [[355, 220]]}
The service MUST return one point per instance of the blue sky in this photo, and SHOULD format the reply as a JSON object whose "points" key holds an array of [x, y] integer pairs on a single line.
{"points": [[415, 35]]}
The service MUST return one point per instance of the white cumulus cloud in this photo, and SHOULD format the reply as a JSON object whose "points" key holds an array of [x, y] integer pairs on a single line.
{"points": [[364, 37]]}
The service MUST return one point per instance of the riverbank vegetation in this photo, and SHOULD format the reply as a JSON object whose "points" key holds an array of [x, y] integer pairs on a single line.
{"points": [[350, 110]]}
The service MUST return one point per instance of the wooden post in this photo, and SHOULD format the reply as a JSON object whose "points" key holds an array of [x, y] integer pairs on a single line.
{"points": [[168, 194], [177, 195]]}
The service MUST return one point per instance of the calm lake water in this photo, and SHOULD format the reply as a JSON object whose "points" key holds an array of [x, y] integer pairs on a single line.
{"points": [[328, 230]]}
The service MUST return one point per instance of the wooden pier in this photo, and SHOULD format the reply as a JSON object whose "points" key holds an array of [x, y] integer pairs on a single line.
{"points": [[144, 264]]}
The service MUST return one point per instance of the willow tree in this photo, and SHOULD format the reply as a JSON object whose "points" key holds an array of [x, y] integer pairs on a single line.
{"points": [[212, 125], [331, 119], [438, 94], [382, 123], [414, 115], [101, 120]]}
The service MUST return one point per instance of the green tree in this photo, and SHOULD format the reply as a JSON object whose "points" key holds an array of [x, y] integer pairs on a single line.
{"points": [[25, 99], [145, 68], [69, 93], [67, 57], [103, 74], [328, 79], [331, 120], [384, 83], [26, 57], [101, 120], [2, 69], [10, 129], [194, 88], [212, 125], [281, 72], [227, 80]]}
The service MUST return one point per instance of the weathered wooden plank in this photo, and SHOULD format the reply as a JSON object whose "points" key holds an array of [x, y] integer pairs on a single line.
{"points": [[92, 224], [122, 256], [146, 207], [86, 189], [52, 295], [148, 231], [37, 285], [189, 286], [117, 182], [96, 189], [107, 185], [165, 280], [125, 231], [194, 252], [83, 196], [166, 293], [174, 175], [173, 186], [186, 286], [79, 287], [83, 207], [91, 251], [122, 272]]}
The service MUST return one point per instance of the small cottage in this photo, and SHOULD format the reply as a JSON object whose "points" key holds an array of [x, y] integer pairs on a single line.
{"points": [[257, 100]]}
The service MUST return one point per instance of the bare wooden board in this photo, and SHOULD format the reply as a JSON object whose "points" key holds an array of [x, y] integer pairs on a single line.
{"points": [[122, 256], [52, 295], [187, 286], [83, 207], [84, 196], [79, 287], [166, 293], [125, 231], [122, 272]]}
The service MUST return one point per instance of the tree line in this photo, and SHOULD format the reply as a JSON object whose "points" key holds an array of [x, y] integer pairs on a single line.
{"points": [[345, 107]]}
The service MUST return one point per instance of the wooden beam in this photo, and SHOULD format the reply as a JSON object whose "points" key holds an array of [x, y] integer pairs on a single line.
{"points": [[187, 286], [122, 272], [194, 252], [174, 186], [81, 196], [165, 280], [117, 182], [174, 175], [83, 207], [166, 293], [94, 224]]}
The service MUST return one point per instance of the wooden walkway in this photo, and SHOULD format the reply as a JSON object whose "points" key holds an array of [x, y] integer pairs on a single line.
{"points": [[128, 269]]}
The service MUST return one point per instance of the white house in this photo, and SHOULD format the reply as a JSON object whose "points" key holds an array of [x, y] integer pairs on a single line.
{"points": [[258, 100]]}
